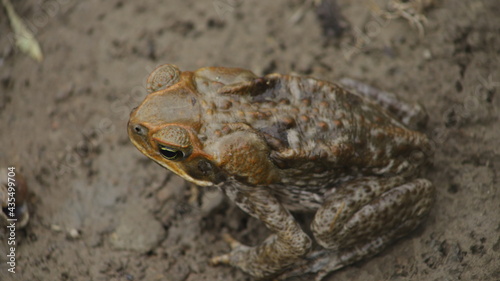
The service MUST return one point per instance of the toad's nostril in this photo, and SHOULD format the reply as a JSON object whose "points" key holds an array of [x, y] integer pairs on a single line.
{"points": [[139, 129]]}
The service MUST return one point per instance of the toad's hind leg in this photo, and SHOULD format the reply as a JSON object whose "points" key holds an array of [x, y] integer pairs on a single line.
{"points": [[412, 115], [360, 219]]}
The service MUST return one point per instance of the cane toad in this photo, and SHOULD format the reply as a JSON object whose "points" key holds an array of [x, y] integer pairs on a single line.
{"points": [[279, 144]]}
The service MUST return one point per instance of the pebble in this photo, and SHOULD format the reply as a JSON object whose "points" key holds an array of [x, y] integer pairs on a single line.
{"points": [[427, 54], [56, 228], [73, 233]]}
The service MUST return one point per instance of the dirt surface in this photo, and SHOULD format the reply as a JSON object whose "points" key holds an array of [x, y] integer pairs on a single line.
{"points": [[101, 211]]}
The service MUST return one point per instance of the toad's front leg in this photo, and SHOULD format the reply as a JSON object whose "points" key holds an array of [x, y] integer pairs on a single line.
{"points": [[278, 251]]}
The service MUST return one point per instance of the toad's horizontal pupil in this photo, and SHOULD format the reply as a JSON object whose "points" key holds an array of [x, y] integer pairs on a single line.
{"points": [[171, 154], [168, 154]]}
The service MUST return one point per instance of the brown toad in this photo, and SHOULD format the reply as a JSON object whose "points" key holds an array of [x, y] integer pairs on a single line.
{"points": [[279, 144]]}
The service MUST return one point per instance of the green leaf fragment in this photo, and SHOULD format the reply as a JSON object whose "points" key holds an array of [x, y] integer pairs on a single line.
{"points": [[25, 40]]}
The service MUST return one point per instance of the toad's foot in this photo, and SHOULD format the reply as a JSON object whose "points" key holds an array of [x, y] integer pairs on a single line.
{"points": [[226, 258], [245, 258], [288, 243]]}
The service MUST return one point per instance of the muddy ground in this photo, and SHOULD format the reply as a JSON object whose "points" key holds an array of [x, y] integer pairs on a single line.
{"points": [[102, 211]]}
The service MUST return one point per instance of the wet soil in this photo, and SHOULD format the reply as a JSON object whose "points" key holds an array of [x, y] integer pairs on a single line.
{"points": [[101, 211]]}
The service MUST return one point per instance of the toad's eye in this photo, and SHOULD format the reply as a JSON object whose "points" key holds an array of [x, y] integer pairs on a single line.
{"points": [[170, 153]]}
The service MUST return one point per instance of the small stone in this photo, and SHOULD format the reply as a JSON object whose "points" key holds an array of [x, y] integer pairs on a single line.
{"points": [[56, 228], [427, 54], [73, 233]]}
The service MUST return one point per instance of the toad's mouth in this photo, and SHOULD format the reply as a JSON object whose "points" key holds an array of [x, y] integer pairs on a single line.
{"points": [[178, 170]]}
